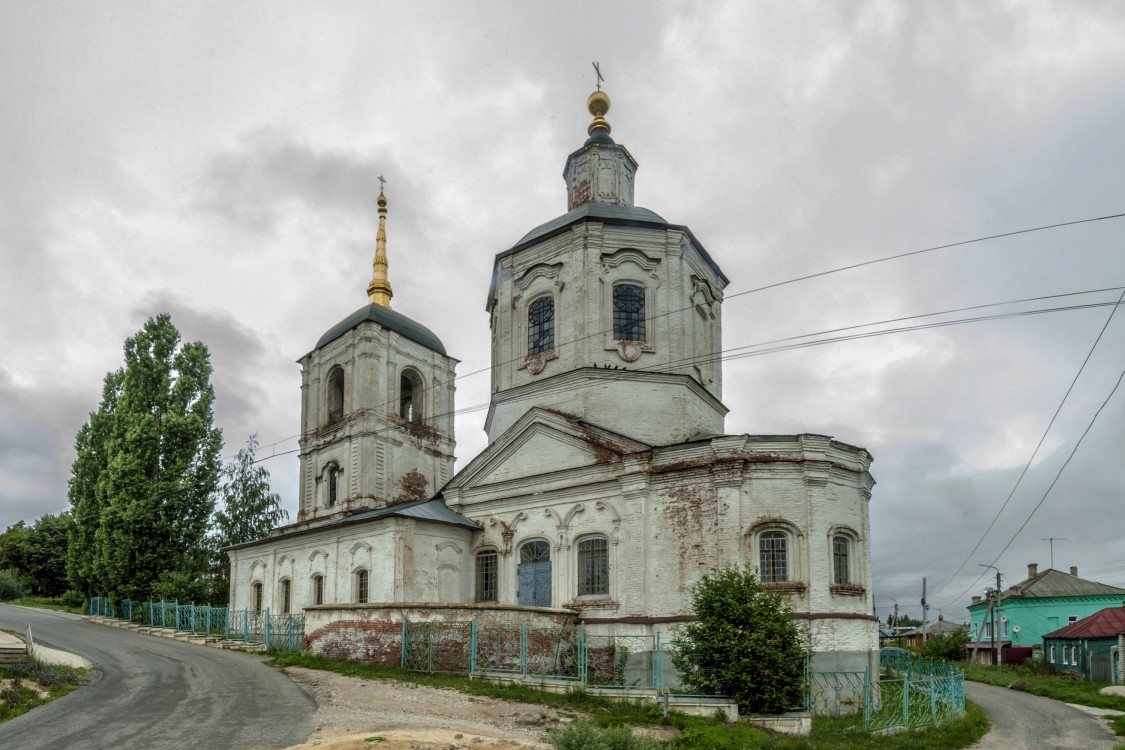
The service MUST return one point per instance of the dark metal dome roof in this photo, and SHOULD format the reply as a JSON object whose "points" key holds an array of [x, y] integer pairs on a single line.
{"points": [[389, 319]]}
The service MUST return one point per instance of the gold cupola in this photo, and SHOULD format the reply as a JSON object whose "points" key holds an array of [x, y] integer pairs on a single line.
{"points": [[602, 171], [379, 290]]}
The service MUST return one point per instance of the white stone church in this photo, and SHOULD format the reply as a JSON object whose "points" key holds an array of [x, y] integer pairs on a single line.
{"points": [[608, 486]]}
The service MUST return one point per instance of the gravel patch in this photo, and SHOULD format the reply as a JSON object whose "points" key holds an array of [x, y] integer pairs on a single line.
{"points": [[353, 713]]}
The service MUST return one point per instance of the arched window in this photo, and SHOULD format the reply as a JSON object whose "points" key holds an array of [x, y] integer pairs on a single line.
{"points": [[841, 558], [361, 586], [593, 566], [410, 396], [286, 592], [773, 557], [333, 485], [318, 589], [628, 312], [336, 395], [486, 580], [541, 325], [256, 595]]}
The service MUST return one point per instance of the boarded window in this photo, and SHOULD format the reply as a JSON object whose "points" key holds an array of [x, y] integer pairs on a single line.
{"points": [[541, 325], [593, 567], [773, 557], [486, 589], [628, 312]]}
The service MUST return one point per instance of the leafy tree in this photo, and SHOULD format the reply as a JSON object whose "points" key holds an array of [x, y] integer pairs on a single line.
{"points": [[949, 646], [11, 585], [250, 510], [147, 467], [742, 644], [38, 553], [87, 491], [904, 621]]}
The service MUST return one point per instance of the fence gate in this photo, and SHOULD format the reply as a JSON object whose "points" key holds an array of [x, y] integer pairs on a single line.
{"points": [[1099, 668]]}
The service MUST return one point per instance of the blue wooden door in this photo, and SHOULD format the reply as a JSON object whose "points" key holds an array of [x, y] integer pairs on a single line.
{"points": [[534, 574]]}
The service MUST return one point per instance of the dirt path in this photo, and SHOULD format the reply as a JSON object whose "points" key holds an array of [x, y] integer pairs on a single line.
{"points": [[1021, 721], [411, 717]]}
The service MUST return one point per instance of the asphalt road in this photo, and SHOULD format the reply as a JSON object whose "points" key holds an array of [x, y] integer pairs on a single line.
{"points": [[156, 693], [1021, 721]]}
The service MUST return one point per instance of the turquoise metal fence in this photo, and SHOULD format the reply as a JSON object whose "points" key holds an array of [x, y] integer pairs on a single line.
{"points": [[279, 632]]}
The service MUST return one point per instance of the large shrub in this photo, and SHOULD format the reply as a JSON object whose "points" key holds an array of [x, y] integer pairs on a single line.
{"points": [[950, 646], [12, 585], [742, 643]]}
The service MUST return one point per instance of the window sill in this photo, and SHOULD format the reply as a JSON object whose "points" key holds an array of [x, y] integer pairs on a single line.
{"points": [[847, 589], [785, 587], [592, 602]]}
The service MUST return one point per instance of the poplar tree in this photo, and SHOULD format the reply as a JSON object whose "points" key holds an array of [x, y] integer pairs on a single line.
{"points": [[250, 511], [155, 454]]}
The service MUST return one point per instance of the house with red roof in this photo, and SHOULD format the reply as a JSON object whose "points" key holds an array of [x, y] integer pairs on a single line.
{"points": [[1091, 647]]}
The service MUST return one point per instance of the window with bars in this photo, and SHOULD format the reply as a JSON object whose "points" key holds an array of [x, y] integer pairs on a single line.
{"points": [[628, 312], [361, 586], [318, 589], [286, 592], [541, 325], [486, 588], [773, 557], [593, 566], [840, 574]]}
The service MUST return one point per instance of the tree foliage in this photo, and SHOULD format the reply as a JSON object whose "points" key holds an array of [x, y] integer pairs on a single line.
{"points": [[37, 554], [146, 468], [250, 510], [742, 644], [949, 646]]}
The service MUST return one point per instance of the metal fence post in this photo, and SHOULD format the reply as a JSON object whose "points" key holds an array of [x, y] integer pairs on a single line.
{"points": [[657, 664], [473, 646], [266, 629], [405, 635], [906, 700], [523, 648], [866, 697]]}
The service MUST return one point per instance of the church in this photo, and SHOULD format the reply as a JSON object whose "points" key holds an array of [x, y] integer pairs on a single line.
{"points": [[608, 486]]}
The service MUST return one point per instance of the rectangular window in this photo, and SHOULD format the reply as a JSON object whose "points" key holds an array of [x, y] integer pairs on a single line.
{"points": [[773, 557], [1051, 654], [318, 589], [628, 312], [1074, 656], [1072, 619], [1005, 629], [593, 567], [1064, 652], [361, 587], [486, 588], [541, 325], [286, 590], [840, 560]]}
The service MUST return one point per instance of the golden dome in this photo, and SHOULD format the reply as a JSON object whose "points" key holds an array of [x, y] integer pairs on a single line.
{"points": [[598, 104]]}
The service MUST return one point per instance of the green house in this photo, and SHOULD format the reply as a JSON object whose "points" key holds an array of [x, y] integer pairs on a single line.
{"points": [[1090, 647], [1040, 604]]}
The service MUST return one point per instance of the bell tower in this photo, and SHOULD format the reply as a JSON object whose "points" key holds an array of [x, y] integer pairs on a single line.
{"points": [[376, 407]]}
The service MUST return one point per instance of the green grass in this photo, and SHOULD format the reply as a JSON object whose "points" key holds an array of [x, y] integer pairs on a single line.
{"points": [[1058, 686], [601, 717], [32, 683], [43, 602]]}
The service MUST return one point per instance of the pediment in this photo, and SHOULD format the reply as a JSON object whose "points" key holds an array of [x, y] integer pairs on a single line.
{"points": [[543, 442]]}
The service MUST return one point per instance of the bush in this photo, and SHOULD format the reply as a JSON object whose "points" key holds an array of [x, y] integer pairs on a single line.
{"points": [[742, 644], [583, 735], [12, 585], [950, 647]]}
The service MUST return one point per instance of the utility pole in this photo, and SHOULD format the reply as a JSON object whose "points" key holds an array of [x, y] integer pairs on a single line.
{"points": [[1052, 540], [997, 657], [925, 609]]}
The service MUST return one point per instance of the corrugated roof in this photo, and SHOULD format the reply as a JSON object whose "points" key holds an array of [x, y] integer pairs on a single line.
{"points": [[1052, 583], [389, 319], [1107, 623]]}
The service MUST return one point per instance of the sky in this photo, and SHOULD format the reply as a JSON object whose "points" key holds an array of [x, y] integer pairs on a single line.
{"points": [[220, 162]]}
